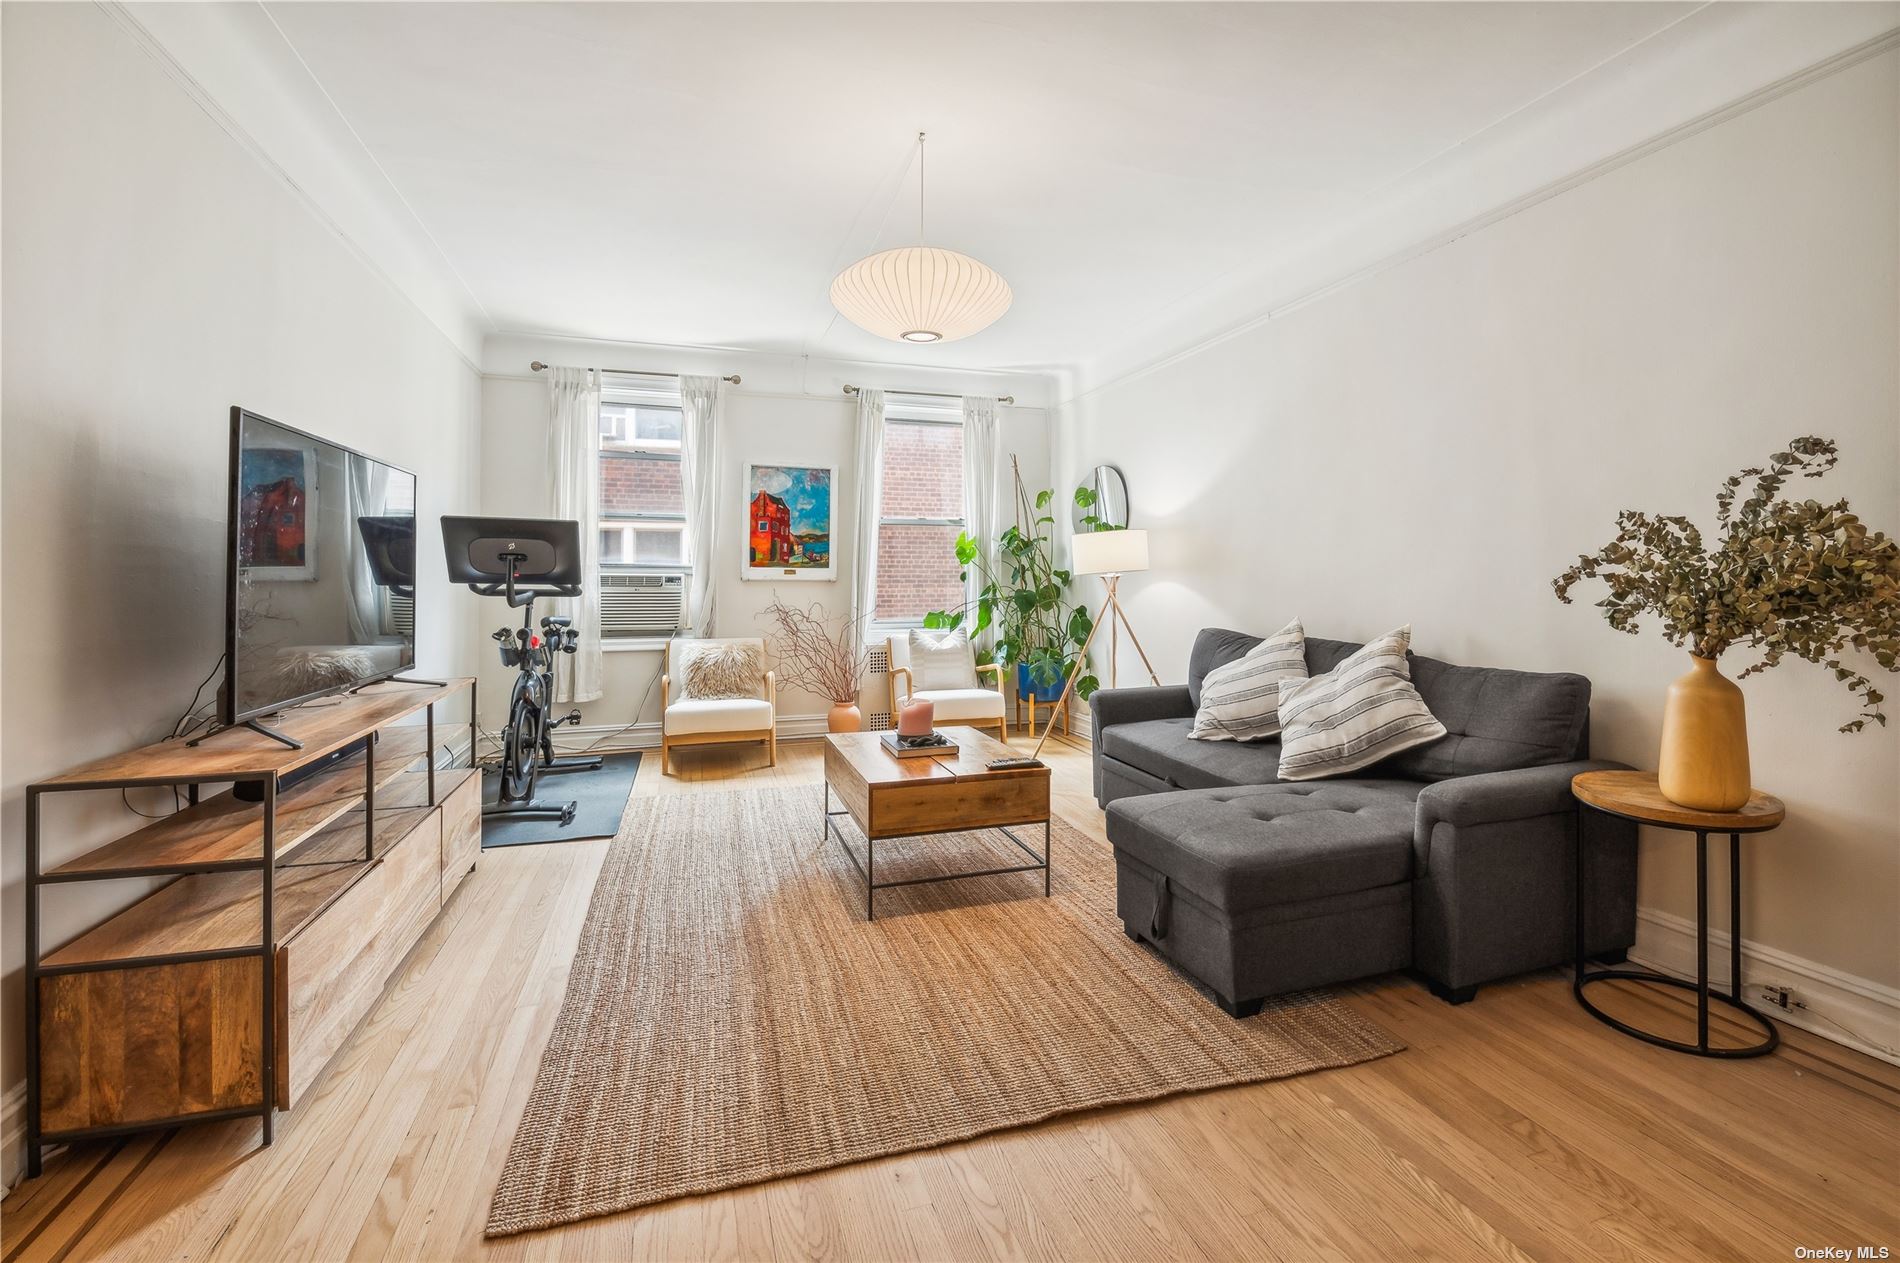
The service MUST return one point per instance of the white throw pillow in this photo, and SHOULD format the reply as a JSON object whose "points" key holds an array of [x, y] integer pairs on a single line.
{"points": [[1363, 710], [713, 671], [941, 660], [1240, 700]]}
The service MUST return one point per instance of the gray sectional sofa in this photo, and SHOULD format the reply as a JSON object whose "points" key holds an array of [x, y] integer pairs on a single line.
{"points": [[1456, 859]]}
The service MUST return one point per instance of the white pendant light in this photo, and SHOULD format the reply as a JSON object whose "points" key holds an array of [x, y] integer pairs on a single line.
{"points": [[920, 293]]}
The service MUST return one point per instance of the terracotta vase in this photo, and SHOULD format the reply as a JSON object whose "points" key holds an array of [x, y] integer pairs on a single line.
{"points": [[1704, 763], [844, 718]]}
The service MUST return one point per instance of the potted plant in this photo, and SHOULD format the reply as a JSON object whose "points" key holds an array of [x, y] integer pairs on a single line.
{"points": [[1785, 577], [823, 656], [1021, 598]]}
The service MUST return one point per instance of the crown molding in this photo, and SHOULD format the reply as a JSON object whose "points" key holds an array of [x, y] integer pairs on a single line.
{"points": [[1717, 64], [239, 69], [506, 355]]}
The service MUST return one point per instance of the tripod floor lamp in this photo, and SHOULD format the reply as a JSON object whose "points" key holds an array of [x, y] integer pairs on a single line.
{"points": [[1110, 554]]}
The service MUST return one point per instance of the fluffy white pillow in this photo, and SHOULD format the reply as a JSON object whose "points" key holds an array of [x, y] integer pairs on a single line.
{"points": [[1363, 710], [1240, 700], [941, 660], [720, 670]]}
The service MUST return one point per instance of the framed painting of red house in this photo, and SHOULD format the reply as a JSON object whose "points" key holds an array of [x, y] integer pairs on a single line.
{"points": [[789, 522]]}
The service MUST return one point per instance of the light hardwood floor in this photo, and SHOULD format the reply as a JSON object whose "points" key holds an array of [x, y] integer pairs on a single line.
{"points": [[1513, 1127]]}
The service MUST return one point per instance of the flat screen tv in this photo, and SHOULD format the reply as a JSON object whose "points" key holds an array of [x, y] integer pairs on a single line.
{"points": [[320, 568]]}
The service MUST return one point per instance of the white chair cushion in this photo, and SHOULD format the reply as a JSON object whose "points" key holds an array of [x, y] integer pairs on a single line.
{"points": [[953, 705], [941, 660], [729, 714]]}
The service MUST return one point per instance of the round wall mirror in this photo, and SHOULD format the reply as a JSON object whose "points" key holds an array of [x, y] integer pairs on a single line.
{"points": [[1111, 498]]}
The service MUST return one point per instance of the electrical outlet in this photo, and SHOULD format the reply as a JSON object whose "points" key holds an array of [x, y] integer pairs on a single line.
{"points": [[1782, 997]]}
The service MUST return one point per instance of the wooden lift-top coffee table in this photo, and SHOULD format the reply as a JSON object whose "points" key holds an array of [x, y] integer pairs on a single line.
{"points": [[952, 792]]}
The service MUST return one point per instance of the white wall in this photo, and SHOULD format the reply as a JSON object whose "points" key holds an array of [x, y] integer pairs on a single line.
{"points": [[1433, 443], [156, 274], [783, 409]]}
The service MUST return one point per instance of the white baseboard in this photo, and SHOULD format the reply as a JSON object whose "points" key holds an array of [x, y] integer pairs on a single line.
{"points": [[455, 750], [1856, 1012], [646, 736], [1082, 725]]}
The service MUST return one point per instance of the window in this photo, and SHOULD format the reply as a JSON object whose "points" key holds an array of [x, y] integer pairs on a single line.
{"points": [[920, 512], [643, 558], [397, 611]]}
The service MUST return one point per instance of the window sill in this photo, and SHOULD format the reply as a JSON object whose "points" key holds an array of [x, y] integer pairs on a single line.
{"points": [[644, 644]]}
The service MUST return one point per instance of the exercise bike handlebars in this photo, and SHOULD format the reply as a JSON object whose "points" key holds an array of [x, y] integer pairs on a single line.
{"points": [[518, 597]]}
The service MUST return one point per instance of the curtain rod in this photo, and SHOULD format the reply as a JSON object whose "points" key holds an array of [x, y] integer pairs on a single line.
{"points": [[537, 366], [931, 394]]}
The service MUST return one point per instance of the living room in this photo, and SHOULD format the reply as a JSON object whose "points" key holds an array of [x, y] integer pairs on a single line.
{"points": [[958, 630]]}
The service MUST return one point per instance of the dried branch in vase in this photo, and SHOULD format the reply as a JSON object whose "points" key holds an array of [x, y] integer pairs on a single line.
{"points": [[1786, 577], [818, 653]]}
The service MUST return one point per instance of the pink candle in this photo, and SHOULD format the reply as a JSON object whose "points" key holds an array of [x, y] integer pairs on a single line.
{"points": [[914, 718]]}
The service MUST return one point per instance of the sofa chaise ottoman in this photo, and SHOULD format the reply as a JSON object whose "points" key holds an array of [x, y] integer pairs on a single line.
{"points": [[1456, 859]]}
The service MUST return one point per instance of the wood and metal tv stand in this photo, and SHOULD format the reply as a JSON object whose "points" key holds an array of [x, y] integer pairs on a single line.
{"points": [[223, 993]]}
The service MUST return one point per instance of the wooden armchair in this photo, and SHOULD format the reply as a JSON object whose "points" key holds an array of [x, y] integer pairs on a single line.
{"points": [[717, 721], [971, 707]]}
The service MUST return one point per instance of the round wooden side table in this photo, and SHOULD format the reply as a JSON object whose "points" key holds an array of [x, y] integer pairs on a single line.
{"points": [[1636, 796]]}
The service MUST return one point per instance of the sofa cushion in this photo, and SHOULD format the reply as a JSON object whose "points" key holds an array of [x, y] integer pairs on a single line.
{"points": [[1248, 847], [1240, 700], [1217, 646], [1363, 710], [1498, 720], [1163, 749]]}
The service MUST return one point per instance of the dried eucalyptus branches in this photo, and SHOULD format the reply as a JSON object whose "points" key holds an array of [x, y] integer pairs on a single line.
{"points": [[1786, 577], [817, 653]]}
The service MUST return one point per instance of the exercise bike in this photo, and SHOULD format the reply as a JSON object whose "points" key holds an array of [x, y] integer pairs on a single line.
{"points": [[521, 559]]}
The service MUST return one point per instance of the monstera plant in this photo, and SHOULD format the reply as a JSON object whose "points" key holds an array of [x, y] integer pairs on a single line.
{"points": [[1021, 597], [1785, 577]]}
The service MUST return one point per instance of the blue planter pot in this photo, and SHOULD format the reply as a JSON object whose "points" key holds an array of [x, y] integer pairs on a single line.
{"points": [[1027, 688]]}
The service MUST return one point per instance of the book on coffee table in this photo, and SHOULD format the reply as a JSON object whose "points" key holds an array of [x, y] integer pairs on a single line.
{"points": [[900, 748]]}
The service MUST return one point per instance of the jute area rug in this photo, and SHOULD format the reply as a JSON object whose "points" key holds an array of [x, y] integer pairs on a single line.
{"points": [[731, 1017]]}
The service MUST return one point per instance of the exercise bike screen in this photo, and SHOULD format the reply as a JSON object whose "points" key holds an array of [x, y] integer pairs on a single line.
{"points": [[324, 545]]}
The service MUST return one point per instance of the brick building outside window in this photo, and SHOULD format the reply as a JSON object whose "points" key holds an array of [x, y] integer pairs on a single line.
{"points": [[920, 512], [642, 507]]}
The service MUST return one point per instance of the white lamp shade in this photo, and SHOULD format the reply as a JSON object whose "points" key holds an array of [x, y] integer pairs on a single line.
{"points": [[1110, 552], [920, 294]]}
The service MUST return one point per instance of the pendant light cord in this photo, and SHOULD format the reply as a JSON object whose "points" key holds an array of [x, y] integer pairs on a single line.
{"points": [[920, 189]]}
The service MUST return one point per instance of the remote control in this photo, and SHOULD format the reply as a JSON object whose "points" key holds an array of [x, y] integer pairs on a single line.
{"points": [[1004, 765]]}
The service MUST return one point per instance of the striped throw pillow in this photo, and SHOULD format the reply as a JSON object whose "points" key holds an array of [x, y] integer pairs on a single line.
{"points": [[1363, 710], [1240, 700]]}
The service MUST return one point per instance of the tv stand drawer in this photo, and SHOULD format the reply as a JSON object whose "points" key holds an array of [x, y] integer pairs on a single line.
{"points": [[332, 973], [461, 832]]}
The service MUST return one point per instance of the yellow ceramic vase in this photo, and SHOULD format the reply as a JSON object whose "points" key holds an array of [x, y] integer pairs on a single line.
{"points": [[1704, 762]]}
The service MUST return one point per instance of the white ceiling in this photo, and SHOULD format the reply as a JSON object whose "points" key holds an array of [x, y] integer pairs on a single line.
{"points": [[696, 174]]}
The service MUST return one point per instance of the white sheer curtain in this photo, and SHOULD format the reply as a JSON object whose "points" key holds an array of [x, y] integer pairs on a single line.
{"points": [[982, 472], [869, 484], [574, 480], [699, 476]]}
